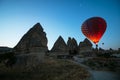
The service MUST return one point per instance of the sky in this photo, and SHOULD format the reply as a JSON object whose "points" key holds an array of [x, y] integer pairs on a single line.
{"points": [[58, 17]]}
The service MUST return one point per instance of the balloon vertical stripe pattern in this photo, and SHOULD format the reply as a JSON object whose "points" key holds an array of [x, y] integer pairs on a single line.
{"points": [[94, 28]]}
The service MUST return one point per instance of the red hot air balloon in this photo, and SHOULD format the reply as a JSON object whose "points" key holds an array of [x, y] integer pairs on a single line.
{"points": [[94, 28]]}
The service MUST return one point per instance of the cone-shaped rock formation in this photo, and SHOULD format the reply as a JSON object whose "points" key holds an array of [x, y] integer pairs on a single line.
{"points": [[85, 46], [59, 45], [72, 45], [34, 40]]}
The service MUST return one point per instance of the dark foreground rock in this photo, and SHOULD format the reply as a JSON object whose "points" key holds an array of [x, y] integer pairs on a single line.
{"points": [[34, 40], [32, 47]]}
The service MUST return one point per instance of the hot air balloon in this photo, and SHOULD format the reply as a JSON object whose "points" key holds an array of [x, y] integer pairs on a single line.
{"points": [[102, 43], [94, 28]]}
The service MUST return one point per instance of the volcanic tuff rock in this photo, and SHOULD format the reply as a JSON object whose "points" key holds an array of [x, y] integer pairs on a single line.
{"points": [[31, 49], [72, 45], [85, 46], [59, 45], [34, 40], [85, 43]]}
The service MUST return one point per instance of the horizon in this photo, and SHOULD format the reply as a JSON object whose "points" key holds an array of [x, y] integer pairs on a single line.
{"points": [[56, 40], [58, 17]]}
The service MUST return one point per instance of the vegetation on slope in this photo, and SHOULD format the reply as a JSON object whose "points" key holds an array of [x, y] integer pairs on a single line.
{"points": [[50, 69]]}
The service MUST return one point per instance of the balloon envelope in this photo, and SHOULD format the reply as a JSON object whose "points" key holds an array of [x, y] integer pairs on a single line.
{"points": [[94, 28]]}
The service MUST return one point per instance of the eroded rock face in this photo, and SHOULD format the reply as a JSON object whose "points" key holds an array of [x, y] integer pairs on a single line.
{"points": [[72, 46], [85, 46], [59, 45], [85, 43], [31, 49], [34, 40]]}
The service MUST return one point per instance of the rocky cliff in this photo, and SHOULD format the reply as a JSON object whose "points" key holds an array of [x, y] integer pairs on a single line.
{"points": [[34, 40], [72, 46], [59, 45], [85, 46], [32, 47]]}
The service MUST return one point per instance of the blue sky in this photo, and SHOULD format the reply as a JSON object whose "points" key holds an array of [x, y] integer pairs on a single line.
{"points": [[58, 17]]}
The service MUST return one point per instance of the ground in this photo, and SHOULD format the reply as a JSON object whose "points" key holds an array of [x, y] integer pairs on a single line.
{"points": [[50, 69]]}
